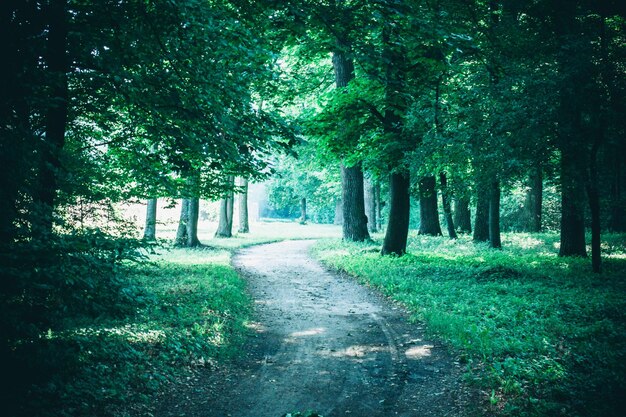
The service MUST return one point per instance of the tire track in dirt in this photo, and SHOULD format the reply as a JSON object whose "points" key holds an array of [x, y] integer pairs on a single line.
{"points": [[322, 342]]}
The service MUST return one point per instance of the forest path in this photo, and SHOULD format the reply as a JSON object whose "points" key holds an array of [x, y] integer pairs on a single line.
{"points": [[322, 342]]}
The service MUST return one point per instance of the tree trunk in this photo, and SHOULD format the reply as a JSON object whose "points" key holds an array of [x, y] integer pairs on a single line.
{"points": [[244, 225], [481, 219], [192, 222], [303, 216], [354, 218], [379, 207], [572, 214], [338, 213], [594, 206], [399, 214], [494, 216], [370, 206], [447, 207], [429, 214], [149, 232], [225, 225], [534, 200], [181, 233], [56, 119], [462, 216]]}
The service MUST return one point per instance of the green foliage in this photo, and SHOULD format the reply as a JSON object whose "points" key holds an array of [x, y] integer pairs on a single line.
{"points": [[189, 310], [295, 179], [539, 335]]}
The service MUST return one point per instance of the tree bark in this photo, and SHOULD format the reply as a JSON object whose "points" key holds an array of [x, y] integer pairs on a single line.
{"points": [[429, 214], [370, 206], [572, 213], [56, 119], [225, 225], [534, 200], [462, 215], [192, 222], [379, 207], [149, 232], [181, 233], [447, 207], [495, 240], [303, 215], [354, 218], [244, 224], [399, 213], [481, 218]]}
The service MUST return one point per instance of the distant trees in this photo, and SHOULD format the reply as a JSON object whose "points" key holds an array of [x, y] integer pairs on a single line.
{"points": [[497, 95]]}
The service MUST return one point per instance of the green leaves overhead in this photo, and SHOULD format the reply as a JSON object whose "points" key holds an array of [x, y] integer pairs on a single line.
{"points": [[169, 88]]}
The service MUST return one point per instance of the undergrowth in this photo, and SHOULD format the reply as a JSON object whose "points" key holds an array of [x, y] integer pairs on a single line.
{"points": [[188, 311], [539, 335]]}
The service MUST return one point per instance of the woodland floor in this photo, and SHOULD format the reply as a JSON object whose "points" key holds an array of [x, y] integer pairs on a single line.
{"points": [[322, 342]]}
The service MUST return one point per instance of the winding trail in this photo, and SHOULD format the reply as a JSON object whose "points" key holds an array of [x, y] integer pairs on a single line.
{"points": [[322, 342]]}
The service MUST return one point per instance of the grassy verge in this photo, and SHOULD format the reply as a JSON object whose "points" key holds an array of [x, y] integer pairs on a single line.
{"points": [[187, 308], [192, 309], [540, 335]]}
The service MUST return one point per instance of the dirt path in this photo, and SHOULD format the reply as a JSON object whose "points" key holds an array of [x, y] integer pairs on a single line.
{"points": [[324, 343]]}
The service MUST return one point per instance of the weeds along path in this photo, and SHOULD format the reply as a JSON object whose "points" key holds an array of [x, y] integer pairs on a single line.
{"points": [[322, 342]]}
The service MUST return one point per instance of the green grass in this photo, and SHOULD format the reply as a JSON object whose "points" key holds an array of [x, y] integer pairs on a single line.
{"points": [[540, 335], [191, 310]]}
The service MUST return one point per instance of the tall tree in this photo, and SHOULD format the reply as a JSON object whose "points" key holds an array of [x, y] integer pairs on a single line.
{"points": [[429, 214], [244, 224], [462, 215], [354, 219], [181, 231], [225, 225], [447, 205], [149, 231], [370, 191], [57, 115]]}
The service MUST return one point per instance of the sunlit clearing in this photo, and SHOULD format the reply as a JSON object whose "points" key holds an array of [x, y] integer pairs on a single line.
{"points": [[525, 241], [418, 352], [310, 332], [132, 335]]}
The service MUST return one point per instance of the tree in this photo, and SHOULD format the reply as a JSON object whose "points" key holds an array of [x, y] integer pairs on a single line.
{"points": [[181, 232], [354, 218], [447, 205], [225, 225], [244, 225], [151, 219], [429, 215]]}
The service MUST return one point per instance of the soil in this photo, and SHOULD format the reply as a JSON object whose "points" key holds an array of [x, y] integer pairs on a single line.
{"points": [[322, 342]]}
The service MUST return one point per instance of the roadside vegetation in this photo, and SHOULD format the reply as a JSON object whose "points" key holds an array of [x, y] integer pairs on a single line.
{"points": [[168, 313], [540, 335], [184, 309]]}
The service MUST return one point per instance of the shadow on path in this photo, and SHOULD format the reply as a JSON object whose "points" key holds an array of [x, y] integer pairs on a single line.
{"points": [[322, 342]]}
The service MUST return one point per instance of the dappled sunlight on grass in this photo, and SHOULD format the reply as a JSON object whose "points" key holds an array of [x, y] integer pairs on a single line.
{"points": [[527, 323]]}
